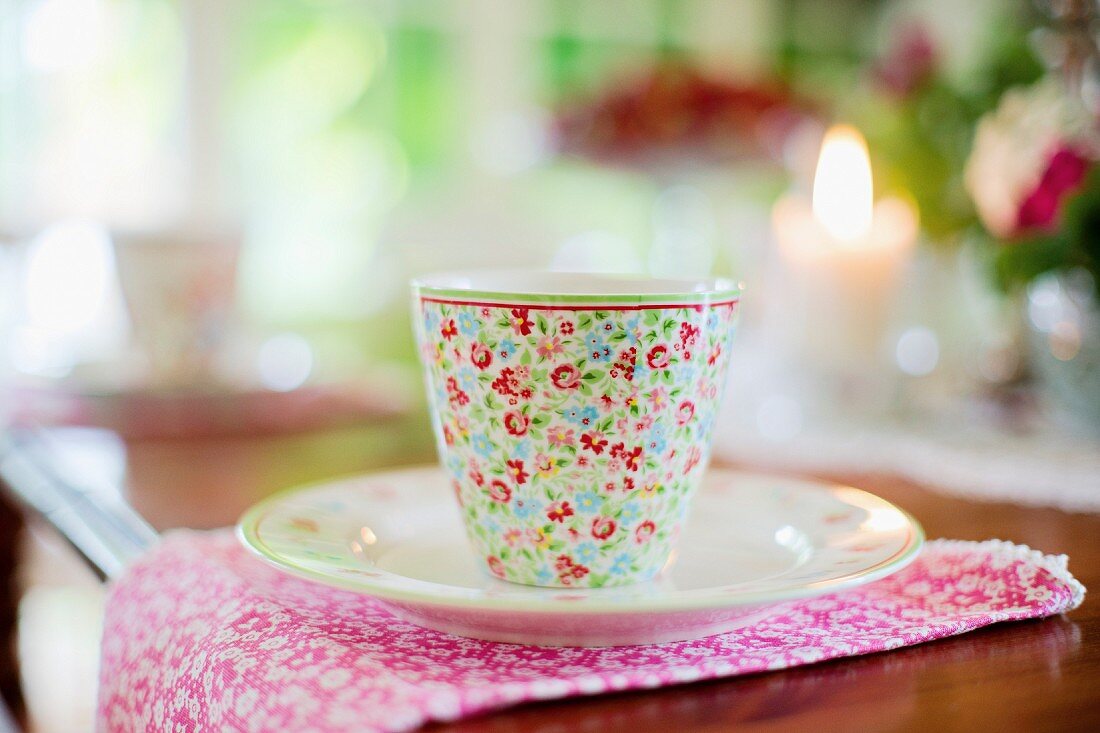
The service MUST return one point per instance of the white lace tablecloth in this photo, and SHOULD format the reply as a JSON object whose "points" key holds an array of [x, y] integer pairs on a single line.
{"points": [[1051, 469], [964, 446]]}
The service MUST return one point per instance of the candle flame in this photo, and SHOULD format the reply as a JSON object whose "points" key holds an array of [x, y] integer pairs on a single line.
{"points": [[843, 191]]}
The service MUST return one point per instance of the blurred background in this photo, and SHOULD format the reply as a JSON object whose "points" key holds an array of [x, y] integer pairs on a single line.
{"points": [[338, 147], [210, 210]]}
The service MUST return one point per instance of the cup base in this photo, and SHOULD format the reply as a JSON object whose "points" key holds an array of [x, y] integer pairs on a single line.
{"points": [[579, 583]]}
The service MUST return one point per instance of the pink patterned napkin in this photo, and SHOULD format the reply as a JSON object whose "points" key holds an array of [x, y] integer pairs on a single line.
{"points": [[194, 640]]}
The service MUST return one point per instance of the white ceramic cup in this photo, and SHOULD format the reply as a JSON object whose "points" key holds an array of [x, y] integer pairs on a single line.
{"points": [[180, 291]]}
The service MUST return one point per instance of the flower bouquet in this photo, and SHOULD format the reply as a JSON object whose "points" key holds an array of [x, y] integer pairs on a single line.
{"points": [[674, 113], [1034, 176]]}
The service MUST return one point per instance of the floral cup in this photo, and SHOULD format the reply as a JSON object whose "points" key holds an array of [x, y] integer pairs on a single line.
{"points": [[573, 414]]}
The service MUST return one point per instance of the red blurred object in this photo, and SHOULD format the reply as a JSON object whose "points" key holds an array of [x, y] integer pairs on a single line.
{"points": [[675, 111], [909, 63], [1042, 208]]}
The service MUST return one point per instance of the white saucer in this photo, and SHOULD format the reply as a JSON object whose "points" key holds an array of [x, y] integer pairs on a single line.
{"points": [[751, 542]]}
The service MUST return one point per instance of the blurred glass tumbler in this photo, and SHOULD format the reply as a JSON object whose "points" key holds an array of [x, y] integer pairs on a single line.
{"points": [[180, 290], [573, 413]]}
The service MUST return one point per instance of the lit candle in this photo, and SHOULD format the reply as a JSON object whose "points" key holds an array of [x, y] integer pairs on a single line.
{"points": [[841, 256]]}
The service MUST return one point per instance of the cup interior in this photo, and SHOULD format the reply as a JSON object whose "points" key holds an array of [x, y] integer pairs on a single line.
{"points": [[532, 282]]}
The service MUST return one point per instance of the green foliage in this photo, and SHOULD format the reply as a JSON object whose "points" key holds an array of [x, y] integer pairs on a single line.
{"points": [[1081, 225], [1011, 62], [921, 144], [921, 138], [1016, 263]]}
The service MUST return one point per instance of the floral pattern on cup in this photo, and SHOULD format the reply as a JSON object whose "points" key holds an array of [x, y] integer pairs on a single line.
{"points": [[574, 438]]}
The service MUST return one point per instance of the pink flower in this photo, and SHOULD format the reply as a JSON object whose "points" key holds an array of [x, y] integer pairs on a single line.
{"points": [[566, 376], [644, 531], [708, 389], [516, 423], [685, 412], [481, 355], [559, 436], [658, 398], [455, 395], [545, 465], [694, 455], [658, 358], [499, 491], [603, 527], [1040, 210], [1028, 155], [495, 566], [910, 62], [549, 346]]}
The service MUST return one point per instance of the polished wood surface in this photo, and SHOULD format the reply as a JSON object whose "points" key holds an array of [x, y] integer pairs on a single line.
{"points": [[1028, 676], [1031, 676]]}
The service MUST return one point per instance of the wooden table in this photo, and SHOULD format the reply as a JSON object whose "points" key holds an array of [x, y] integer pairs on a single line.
{"points": [[1029, 676], [1041, 675]]}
